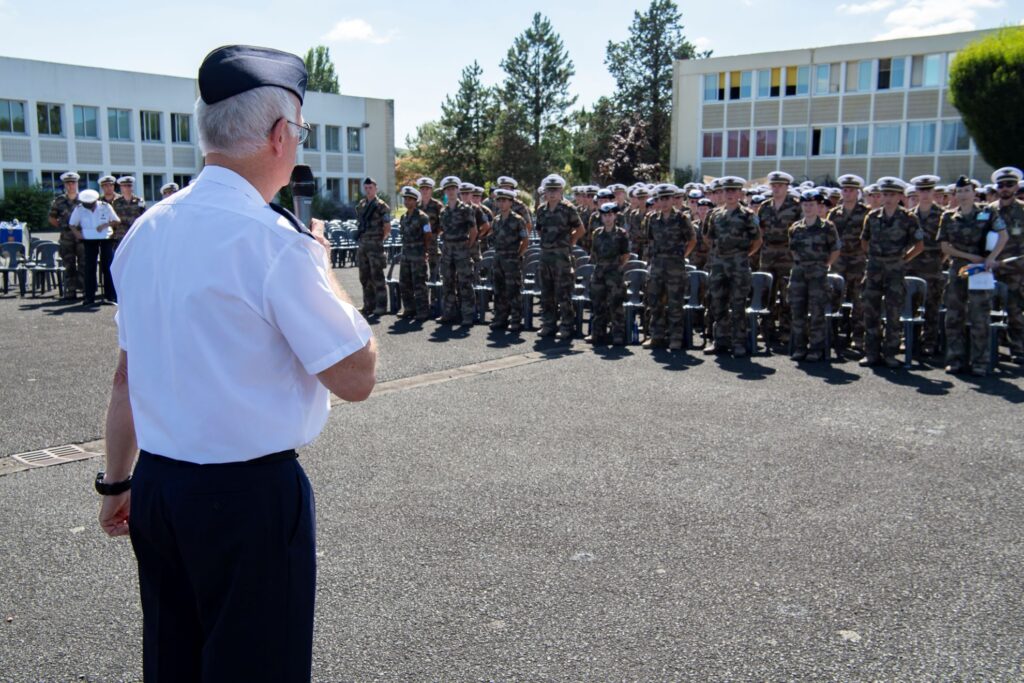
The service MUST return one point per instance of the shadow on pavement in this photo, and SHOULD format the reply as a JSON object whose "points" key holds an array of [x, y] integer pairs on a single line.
{"points": [[405, 326], [744, 368], [612, 352], [831, 373], [443, 333], [502, 339], [908, 378], [676, 361], [995, 385], [555, 348]]}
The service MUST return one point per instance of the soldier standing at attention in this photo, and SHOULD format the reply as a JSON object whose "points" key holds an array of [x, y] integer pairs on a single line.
{"points": [[128, 207], [107, 193], [963, 233], [374, 221], [735, 236], [609, 252], [928, 264], [509, 183], [776, 216], [848, 218], [432, 207], [72, 249], [635, 224], [483, 238], [873, 197], [412, 274], [891, 237], [815, 245], [671, 238], [458, 226], [510, 239], [1011, 210], [168, 189], [559, 227]]}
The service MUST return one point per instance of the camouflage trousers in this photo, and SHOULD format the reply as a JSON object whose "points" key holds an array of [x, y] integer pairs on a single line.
{"points": [[667, 289], [963, 305], [412, 282], [851, 267], [433, 256], [1012, 274], [457, 281], [808, 294], [638, 247], [607, 295], [556, 286], [779, 262], [883, 286], [507, 275], [928, 267], [371, 261], [72, 255], [729, 287]]}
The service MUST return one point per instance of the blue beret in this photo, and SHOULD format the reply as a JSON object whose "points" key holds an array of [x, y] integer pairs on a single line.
{"points": [[234, 69]]}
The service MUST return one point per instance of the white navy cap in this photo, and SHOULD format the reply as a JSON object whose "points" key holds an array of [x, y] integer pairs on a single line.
{"points": [[851, 180], [411, 192], [780, 177], [69, 176]]}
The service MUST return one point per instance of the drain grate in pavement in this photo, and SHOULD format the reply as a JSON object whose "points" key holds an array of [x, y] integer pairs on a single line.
{"points": [[58, 455]]}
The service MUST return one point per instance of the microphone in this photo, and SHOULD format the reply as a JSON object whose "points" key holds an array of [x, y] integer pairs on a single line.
{"points": [[303, 188]]}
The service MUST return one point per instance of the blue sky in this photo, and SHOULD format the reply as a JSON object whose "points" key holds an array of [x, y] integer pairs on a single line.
{"points": [[413, 52]]}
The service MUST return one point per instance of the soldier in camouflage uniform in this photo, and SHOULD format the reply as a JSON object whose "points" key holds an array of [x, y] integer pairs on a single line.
{"points": [[374, 226], [592, 221], [412, 274], [72, 249], [107, 192], [458, 227], [815, 244], [432, 207], [963, 233], [848, 218], [128, 207], [777, 214], [670, 238], [467, 192], [928, 264], [559, 227], [635, 223], [508, 183], [609, 252], [891, 237], [1011, 210], [735, 237], [510, 239]]}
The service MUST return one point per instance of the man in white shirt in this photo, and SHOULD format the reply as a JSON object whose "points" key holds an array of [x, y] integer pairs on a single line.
{"points": [[236, 330], [91, 222]]}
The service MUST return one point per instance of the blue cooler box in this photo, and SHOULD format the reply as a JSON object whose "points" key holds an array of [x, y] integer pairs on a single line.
{"points": [[9, 234]]}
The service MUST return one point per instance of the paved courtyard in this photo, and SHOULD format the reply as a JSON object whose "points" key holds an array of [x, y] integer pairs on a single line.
{"points": [[566, 515]]}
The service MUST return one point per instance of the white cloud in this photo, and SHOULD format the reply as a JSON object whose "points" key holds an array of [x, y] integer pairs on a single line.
{"points": [[357, 31], [866, 7], [703, 43], [923, 17]]}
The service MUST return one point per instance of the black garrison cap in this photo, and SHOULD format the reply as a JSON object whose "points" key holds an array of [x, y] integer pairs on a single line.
{"points": [[234, 69]]}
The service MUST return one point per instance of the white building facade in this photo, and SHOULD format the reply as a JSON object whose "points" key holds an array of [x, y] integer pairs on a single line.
{"points": [[60, 117], [873, 109]]}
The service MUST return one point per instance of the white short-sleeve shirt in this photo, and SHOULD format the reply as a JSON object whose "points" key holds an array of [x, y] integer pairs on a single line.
{"points": [[88, 219], [227, 314]]}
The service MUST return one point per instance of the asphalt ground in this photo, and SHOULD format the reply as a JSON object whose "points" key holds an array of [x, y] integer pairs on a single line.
{"points": [[605, 516]]}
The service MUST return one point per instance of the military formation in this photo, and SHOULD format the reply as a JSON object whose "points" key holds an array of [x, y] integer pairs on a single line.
{"points": [[964, 240]]}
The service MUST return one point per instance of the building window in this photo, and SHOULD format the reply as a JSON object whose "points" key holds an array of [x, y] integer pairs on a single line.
{"points": [[12, 116], [312, 142], [950, 56], [823, 142], [332, 138], [920, 137], [119, 124], [890, 73], [150, 127], [797, 80], [926, 71], [855, 140], [955, 137], [151, 184], [738, 144], [48, 117], [181, 128], [710, 87], [858, 76], [355, 140], [740, 85], [182, 180], [86, 122], [766, 143], [51, 181], [769, 83], [823, 79], [887, 138], [712, 146], [334, 189], [88, 180], [794, 142], [14, 179], [354, 188]]}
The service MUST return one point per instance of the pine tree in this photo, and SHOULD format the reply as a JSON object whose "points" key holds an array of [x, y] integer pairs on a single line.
{"points": [[320, 70], [465, 125]]}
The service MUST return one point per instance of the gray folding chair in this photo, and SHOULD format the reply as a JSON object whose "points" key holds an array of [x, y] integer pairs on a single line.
{"points": [[915, 290], [760, 286]]}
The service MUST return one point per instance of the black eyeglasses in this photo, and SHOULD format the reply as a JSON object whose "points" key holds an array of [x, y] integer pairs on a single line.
{"points": [[304, 129]]}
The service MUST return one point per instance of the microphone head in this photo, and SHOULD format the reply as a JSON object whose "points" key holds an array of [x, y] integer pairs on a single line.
{"points": [[302, 181]]}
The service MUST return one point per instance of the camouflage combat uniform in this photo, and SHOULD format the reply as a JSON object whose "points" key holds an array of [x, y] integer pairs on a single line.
{"points": [[128, 211], [889, 239], [669, 283], [776, 257], [374, 216], [851, 261], [1012, 274], [507, 271], [433, 209], [484, 216], [555, 227], [637, 230], [607, 288], [928, 267], [731, 234], [457, 262], [412, 274], [71, 249], [810, 246]]}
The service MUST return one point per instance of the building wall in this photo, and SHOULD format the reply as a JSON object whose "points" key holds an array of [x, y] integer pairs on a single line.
{"points": [[40, 156], [839, 105]]}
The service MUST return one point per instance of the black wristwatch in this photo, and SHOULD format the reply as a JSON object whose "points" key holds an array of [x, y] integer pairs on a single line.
{"points": [[114, 489]]}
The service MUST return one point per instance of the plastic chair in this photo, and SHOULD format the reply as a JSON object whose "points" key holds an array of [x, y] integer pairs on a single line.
{"points": [[694, 304], [634, 264], [915, 289], [582, 261], [636, 283], [46, 266], [760, 286], [14, 254], [836, 292], [529, 292], [483, 285], [998, 324], [581, 296], [393, 283]]}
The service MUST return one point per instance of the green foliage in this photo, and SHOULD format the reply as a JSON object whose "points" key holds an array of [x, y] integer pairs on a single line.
{"points": [[321, 70], [626, 161], [592, 136], [986, 84], [29, 205], [681, 176], [466, 123]]}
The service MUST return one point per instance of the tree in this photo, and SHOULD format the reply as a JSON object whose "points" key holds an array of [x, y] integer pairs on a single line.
{"points": [[30, 205], [592, 133], [642, 68], [536, 89], [624, 163], [986, 84], [321, 70], [465, 125]]}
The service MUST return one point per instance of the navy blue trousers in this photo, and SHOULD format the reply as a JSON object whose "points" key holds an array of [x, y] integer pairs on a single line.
{"points": [[227, 570]]}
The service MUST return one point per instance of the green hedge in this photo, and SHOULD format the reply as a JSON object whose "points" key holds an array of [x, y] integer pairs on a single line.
{"points": [[29, 205]]}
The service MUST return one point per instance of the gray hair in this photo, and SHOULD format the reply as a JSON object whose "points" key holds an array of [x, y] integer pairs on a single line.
{"points": [[238, 126]]}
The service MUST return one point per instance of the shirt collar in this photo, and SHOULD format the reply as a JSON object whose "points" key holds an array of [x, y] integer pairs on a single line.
{"points": [[228, 178]]}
